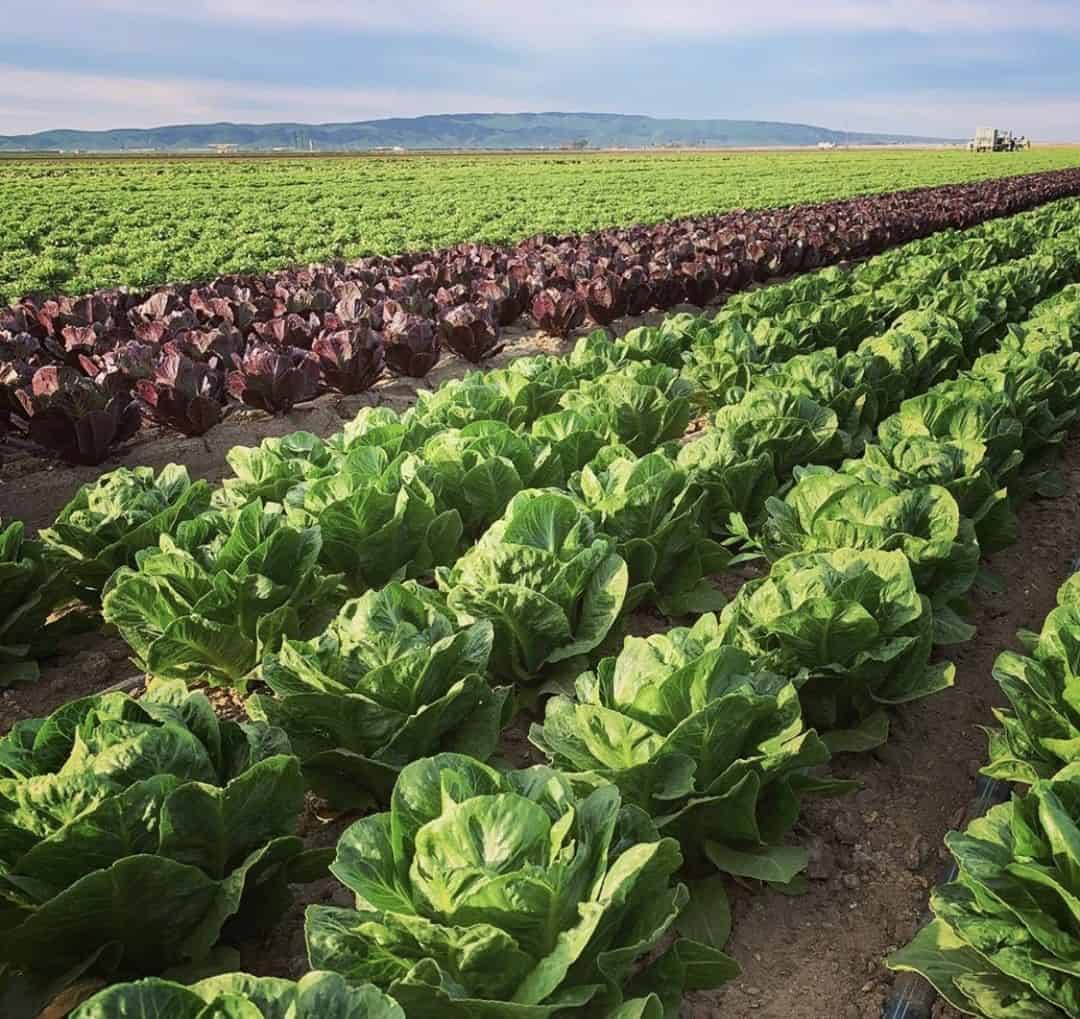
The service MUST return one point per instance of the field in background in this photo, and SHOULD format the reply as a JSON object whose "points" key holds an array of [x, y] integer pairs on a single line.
{"points": [[73, 225]]}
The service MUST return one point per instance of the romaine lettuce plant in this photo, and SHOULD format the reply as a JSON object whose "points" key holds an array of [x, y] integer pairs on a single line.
{"points": [[737, 479], [479, 468], [656, 515], [113, 518], [714, 751], [958, 466], [139, 834], [220, 593], [962, 410], [270, 470], [855, 623], [1004, 942], [1042, 732], [507, 895], [315, 996], [790, 428], [641, 405], [551, 585], [30, 588], [826, 510], [391, 680], [378, 521]]}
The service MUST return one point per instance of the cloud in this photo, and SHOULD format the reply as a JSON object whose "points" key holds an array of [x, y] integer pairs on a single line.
{"points": [[573, 24], [34, 100]]}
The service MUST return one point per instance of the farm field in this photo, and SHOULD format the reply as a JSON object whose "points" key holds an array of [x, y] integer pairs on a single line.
{"points": [[726, 568], [75, 225]]}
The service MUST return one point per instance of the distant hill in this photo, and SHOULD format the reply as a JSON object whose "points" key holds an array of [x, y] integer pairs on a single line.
{"points": [[455, 131]]}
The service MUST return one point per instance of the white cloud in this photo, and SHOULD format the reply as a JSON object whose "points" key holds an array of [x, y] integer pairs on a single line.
{"points": [[33, 100], [583, 24]]}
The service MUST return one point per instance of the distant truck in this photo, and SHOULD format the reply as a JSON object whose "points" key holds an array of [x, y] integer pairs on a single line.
{"points": [[990, 139]]}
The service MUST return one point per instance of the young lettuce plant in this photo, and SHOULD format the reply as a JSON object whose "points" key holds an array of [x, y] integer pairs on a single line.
{"points": [[1042, 732], [221, 593], [655, 513], [378, 521], [477, 469], [140, 834], [113, 518], [506, 895], [736, 478], [30, 588], [642, 405], [551, 585], [962, 410], [854, 625], [959, 466], [272, 469], [826, 510], [392, 679], [716, 752], [792, 429], [317, 995], [1003, 943]]}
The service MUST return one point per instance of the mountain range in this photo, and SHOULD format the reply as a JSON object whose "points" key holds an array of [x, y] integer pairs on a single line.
{"points": [[456, 131]]}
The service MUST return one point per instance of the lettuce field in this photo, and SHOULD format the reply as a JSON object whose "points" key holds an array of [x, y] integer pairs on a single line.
{"points": [[77, 225], [635, 666]]}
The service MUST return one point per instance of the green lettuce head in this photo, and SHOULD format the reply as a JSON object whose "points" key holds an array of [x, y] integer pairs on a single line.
{"points": [[240, 996], [210, 601], [1041, 734], [656, 515], [549, 583], [1004, 940], [392, 679], [118, 515], [138, 834], [483, 893], [854, 624], [715, 751]]}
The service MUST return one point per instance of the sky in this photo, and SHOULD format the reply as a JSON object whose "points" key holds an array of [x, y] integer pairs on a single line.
{"points": [[930, 67]]}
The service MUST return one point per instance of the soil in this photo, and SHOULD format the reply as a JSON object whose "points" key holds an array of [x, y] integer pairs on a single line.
{"points": [[875, 853]]}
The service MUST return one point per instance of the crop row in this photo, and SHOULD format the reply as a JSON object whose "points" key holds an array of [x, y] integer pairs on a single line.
{"points": [[536, 891], [76, 225], [1003, 941], [79, 374]]}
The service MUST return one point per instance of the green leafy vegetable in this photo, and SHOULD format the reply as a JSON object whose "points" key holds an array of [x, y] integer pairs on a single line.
{"points": [[856, 624], [549, 583], [209, 602], [240, 996], [140, 833], [687, 729], [506, 895], [118, 515], [392, 679]]}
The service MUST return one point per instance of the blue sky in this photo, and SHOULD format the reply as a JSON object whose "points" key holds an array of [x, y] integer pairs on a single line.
{"points": [[918, 66]]}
